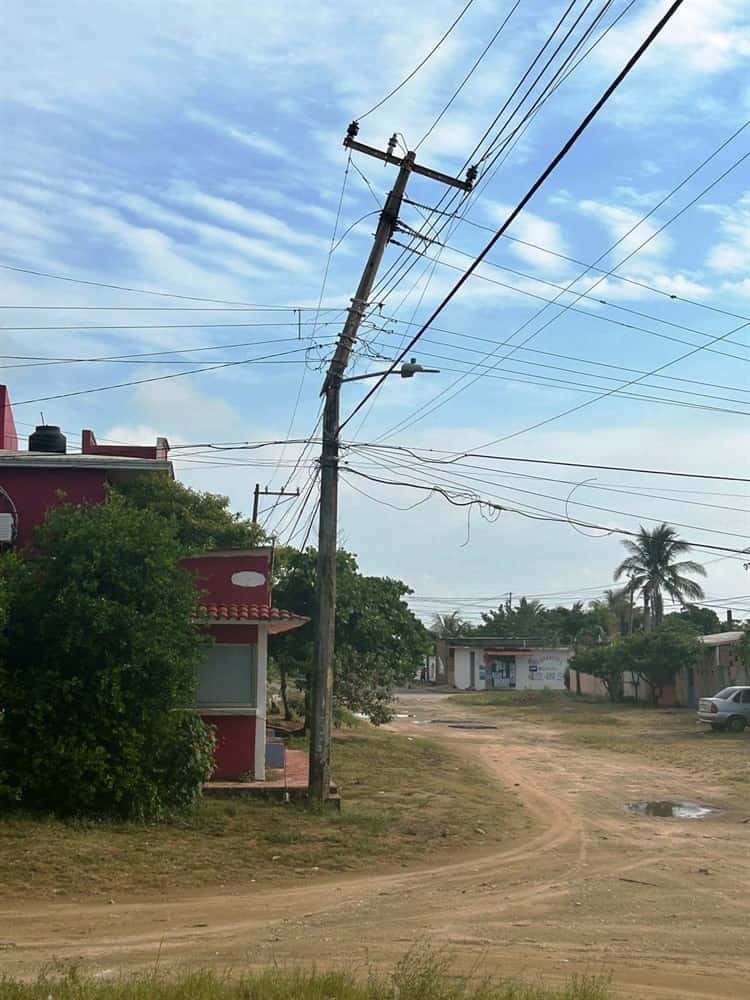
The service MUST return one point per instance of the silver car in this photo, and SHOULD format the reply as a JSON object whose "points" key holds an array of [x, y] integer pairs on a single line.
{"points": [[729, 709]]}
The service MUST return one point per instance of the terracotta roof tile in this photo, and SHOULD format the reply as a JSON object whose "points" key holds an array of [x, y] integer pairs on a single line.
{"points": [[247, 612]]}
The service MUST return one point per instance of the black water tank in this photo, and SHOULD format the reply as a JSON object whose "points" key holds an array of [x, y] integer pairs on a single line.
{"points": [[48, 438]]}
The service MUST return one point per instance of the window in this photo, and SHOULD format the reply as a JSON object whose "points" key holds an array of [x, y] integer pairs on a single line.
{"points": [[228, 677], [745, 696], [725, 694]]}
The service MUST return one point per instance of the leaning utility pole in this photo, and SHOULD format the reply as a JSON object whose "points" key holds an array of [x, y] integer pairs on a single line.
{"points": [[322, 677]]}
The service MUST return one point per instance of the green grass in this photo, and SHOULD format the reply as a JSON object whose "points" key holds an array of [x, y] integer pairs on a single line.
{"points": [[403, 800], [415, 978]]}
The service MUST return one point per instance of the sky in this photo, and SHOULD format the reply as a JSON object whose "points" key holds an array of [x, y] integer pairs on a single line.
{"points": [[195, 149]]}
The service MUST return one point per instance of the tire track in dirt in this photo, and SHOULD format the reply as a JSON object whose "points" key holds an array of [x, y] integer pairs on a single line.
{"points": [[550, 905]]}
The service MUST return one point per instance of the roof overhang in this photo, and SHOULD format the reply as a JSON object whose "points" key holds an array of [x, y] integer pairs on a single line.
{"points": [[276, 620]]}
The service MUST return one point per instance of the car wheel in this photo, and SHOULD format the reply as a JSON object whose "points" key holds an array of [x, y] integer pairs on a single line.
{"points": [[718, 727], [736, 724]]}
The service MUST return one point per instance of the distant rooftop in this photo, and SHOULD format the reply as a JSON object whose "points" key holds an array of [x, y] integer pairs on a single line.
{"points": [[505, 642], [720, 638]]}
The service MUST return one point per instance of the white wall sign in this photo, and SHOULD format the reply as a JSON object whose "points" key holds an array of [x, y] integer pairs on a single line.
{"points": [[247, 578]]}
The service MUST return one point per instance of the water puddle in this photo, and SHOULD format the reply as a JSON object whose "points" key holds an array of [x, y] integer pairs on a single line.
{"points": [[671, 810]]}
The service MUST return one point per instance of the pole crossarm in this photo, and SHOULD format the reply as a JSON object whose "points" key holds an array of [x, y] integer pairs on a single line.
{"points": [[417, 168]]}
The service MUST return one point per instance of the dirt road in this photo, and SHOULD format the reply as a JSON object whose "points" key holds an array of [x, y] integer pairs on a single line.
{"points": [[664, 905]]}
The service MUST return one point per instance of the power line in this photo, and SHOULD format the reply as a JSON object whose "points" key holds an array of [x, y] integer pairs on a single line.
{"points": [[77, 328], [556, 382], [530, 193], [419, 66], [432, 405], [147, 355], [127, 288], [451, 199], [579, 295], [636, 282], [601, 487], [156, 378], [455, 456], [567, 357], [210, 309], [461, 501], [549, 89], [323, 284], [470, 73], [473, 479]]}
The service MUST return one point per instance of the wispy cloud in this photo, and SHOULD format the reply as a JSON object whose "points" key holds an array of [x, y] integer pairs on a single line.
{"points": [[239, 216], [255, 140], [731, 255]]}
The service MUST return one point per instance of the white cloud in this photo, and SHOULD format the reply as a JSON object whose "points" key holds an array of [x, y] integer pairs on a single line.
{"points": [[627, 227], [260, 143], [532, 228], [239, 216], [704, 40], [731, 255]]}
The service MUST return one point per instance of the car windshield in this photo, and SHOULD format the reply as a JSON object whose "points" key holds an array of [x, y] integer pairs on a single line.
{"points": [[726, 693]]}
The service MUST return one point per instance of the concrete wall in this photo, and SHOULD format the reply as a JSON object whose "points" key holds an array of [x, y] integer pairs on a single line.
{"points": [[640, 692], [530, 669]]}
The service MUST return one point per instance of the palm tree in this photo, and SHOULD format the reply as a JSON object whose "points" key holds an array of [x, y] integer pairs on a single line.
{"points": [[615, 609], [653, 570], [450, 625]]}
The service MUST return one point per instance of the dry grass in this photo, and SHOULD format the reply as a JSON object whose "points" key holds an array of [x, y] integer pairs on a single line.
{"points": [[415, 978], [668, 736], [403, 799]]}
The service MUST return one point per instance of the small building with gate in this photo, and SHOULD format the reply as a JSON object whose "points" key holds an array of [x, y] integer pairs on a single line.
{"points": [[479, 663], [235, 606]]}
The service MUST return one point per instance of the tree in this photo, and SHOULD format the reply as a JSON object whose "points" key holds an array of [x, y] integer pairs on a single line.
{"points": [[703, 620], [657, 656], [527, 619], [99, 668], [379, 640], [653, 570], [654, 657], [743, 647], [201, 521], [615, 611], [606, 662], [450, 625]]}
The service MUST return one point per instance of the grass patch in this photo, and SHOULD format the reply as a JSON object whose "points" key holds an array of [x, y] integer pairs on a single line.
{"points": [[403, 799], [423, 978]]}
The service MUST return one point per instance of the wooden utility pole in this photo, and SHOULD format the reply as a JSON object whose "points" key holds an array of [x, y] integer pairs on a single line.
{"points": [[322, 677], [268, 493]]}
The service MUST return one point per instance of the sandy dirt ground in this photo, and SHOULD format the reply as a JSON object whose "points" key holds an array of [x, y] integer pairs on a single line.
{"points": [[662, 905]]}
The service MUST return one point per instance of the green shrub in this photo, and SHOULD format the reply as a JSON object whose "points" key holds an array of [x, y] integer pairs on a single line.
{"points": [[100, 652]]}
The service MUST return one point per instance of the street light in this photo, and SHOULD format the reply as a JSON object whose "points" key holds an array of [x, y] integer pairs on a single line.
{"points": [[407, 370]]}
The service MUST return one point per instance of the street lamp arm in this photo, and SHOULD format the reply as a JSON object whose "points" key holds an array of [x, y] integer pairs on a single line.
{"points": [[407, 370]]}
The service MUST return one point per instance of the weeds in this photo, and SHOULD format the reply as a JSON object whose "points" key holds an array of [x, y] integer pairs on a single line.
{"points": [[416, 977]]}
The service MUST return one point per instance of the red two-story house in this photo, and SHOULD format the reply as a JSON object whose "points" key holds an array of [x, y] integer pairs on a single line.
{"points": [[234, 586]]}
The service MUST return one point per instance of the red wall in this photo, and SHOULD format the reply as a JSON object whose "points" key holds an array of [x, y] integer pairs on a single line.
{"points": [[35, 491], [234, 756], [8, 435], [90, 447], [235, 635], [213, 574]]}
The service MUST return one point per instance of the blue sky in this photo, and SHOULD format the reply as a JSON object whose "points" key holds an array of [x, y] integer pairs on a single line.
{"points": [[195, 148]]}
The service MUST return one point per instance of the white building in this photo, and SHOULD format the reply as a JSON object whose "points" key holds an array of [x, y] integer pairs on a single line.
{"points": [[478, 663]]}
